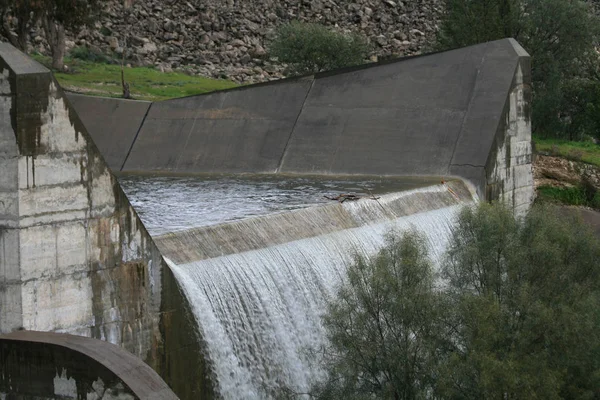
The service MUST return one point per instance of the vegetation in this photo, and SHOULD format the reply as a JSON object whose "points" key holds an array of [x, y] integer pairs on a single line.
{"points": [[582, 195], [586, 151], [384, 325], [103, 79], [515, 315], [55, 15], [311, 48], [560, 36]]}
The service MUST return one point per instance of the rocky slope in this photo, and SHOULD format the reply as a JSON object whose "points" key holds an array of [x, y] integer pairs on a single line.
{"points": [[230, 38]]}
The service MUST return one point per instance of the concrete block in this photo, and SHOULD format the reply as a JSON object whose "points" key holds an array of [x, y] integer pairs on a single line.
{"points": [[58, 135], [103, 233], [38, 252], [9, 255], [45, 171], [9, 209], [8, 177], [10, 307], [524, 196], [71, 244], [102, 195], [4, 82], [55, 200], [8, 141], [520, 149], [51, 304], [523, 175]]}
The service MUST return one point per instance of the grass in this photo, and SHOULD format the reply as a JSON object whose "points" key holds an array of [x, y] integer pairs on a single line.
{"points": [[576, 196], [588, 152], [146, 83]]}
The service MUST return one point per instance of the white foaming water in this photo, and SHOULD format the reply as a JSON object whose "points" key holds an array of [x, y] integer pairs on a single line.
{"points": [[259, 310]]}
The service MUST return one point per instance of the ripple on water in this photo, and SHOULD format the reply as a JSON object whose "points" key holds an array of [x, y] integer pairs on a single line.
{"points": [[169, 204]]}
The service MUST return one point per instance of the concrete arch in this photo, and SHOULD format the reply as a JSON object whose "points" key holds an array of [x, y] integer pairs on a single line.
{"points": [[50, 364]]}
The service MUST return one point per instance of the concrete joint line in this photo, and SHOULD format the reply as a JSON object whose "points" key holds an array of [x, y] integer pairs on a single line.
{"points": [[468, 110], [467, 165], [136, 136], [280, 163]]}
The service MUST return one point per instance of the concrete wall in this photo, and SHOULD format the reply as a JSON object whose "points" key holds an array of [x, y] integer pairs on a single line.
{"points": [[74, 256], [449, 114], [43, 365], [113, 123]]}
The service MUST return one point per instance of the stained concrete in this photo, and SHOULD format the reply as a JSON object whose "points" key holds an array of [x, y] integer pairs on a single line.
{"points": [[113, 123], [48, 365], [460, 113], [74, 256]]}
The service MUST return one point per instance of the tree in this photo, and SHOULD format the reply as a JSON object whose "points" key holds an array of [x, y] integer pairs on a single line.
{"points": [[55, 15], [382, 326], [515, 315], [525, 296], [560, 36], [20, 14], [311, 48]]}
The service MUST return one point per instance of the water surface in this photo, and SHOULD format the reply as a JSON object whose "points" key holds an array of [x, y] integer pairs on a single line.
{"points": [[170, 203]]}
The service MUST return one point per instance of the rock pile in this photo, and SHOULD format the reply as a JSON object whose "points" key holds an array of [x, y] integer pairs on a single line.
{"points": [[230, 38]]}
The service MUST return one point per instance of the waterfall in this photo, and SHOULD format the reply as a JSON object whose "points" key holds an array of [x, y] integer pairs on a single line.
{"points": [[258, 288]]}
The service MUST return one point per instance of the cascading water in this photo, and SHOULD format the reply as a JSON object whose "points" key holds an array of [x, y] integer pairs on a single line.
{"points": [[258, 300]]}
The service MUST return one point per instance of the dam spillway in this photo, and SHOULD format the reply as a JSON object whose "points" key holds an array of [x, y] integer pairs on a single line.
{"points": [[76, 258], [257, 286]]}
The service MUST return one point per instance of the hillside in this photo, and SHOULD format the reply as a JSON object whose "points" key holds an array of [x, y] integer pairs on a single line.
{"points": [[229, 38]]}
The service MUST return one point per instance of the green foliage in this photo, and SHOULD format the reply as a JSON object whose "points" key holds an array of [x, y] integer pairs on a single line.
{"points": [[516, 317], [382, 325], [84, 53], [311, 48], [525, 295], [583, 195], [559, 35], [562, 195], [71, 13], [586, 151]]}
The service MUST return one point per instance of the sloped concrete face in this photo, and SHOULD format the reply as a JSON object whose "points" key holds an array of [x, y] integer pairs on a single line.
{"points": [[461, 113], [116, 123], [74, 257]]}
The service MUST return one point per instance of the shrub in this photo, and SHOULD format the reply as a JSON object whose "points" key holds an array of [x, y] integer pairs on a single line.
{"points": [[84, 53], [310, 48], [516, 316]]}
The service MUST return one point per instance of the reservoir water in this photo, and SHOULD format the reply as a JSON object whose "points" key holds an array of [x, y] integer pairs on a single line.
{"points": [[169, 204]]}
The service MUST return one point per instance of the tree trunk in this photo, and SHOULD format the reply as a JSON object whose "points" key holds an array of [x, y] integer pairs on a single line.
{"points": [[55, 35], [22, 31], [7, 32]]}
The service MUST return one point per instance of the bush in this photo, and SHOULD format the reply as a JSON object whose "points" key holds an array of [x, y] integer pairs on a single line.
{"points": [[559, 35], [385, 314], [515, 318], [311, 48], [84, 53]]}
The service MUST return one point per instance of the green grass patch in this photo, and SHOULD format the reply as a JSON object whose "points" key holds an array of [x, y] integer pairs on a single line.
{"points": [[146, 83], [588, 152], [576, 196]]}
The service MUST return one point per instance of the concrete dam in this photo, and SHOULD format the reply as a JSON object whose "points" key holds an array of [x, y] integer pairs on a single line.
{"points": [[212, 254]]}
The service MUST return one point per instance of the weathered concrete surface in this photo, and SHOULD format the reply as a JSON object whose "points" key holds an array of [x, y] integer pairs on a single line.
{"points": [[461, 113], [74, 256], [48, 365], [232, 131], [113, 123]]}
